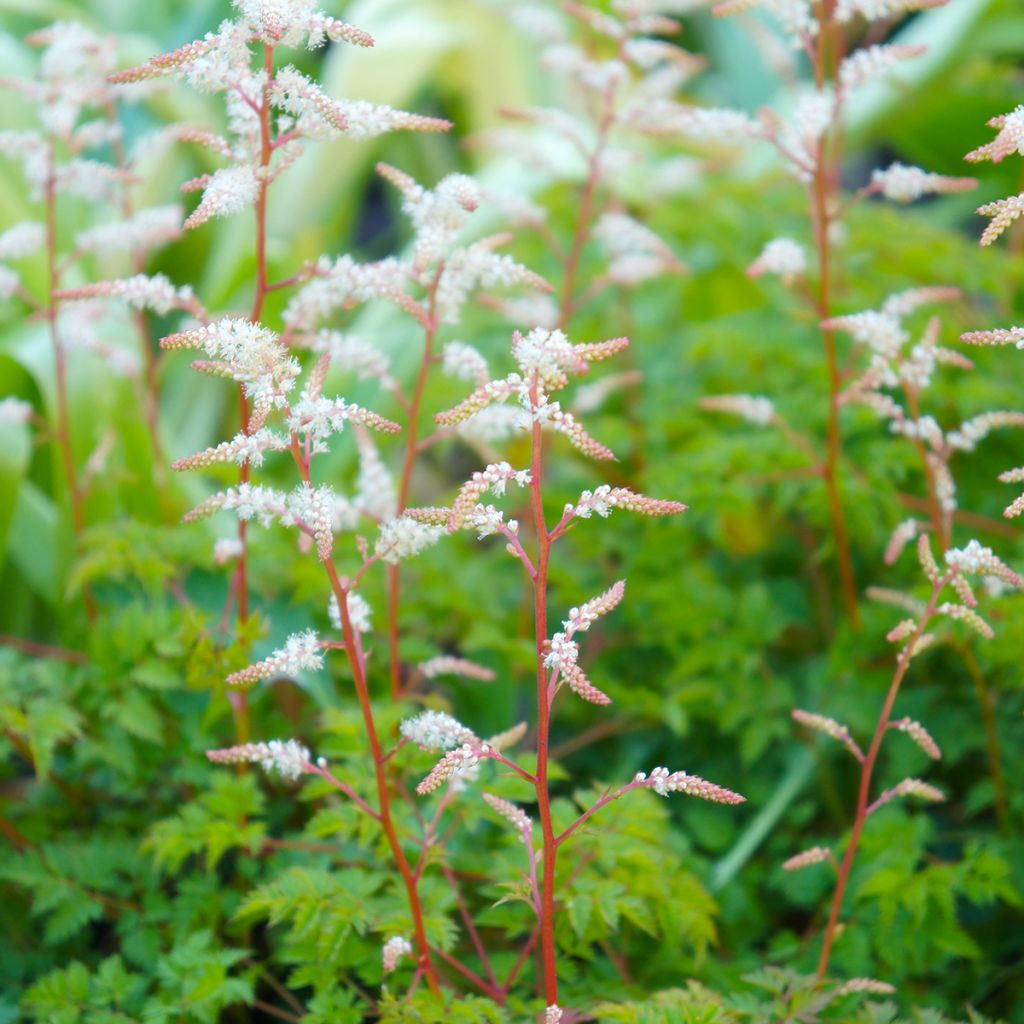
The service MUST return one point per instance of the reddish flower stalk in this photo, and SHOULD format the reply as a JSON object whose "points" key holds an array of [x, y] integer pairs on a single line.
{"points": [[867, 769], [67, 455], [540, 597], [357, 662], [823, 198], [412, 449]]}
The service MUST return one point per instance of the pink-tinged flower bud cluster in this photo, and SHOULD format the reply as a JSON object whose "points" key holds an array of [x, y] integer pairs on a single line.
{"points": [[513, 814], [909, 787], [815, 855], [664, 782], [901, 537], [582, 618], [436, 730], [635, 253], [461, 759], [394, 950], [917, 732], [553, 1014], [465, 363], [301, 652], [830, 727], [446, 665], [288, 758], [998, 336], [968, 617], [1004, 213], [140, 291]]}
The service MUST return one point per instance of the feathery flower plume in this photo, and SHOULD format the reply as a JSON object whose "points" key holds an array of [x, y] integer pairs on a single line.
{"points": [[14, 411], [301, 651], [1003, 212], [242, 449], [664, 782], [141, 232], [998, 336], [976, 559], [873, 62], [492, 478], [967, 616], [288, 758], [140, 291], [358, 612], [876, 10], [581, 618], [553, 1014], [1009, 140], [830, 727], [901, 537]]}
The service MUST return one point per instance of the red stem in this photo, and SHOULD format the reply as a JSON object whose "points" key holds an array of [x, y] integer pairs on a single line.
{"points": [[411, 451], [867, 768], [540, 595]]}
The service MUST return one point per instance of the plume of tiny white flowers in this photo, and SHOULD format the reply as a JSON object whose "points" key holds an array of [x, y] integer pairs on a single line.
{"points": [[394, 950], [436, 730], [753, 408], [446, 665], [358, 612], [289, 758], [404, 537], [902, 184], [461, 759], [917, 732], [664, 782], [301, 652], [783, 257]]}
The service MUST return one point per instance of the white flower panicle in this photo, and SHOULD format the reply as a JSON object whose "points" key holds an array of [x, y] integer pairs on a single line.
{"points": [[21, 240], [635, 252], [289, 758], [465, 363], [753, 408], [514, 815], [796, 17], [900, 183], [815, 855], [553, 1014], [141, 232], [998, 336], [901, 537], [874, 62], [301, 652], [242, 449], [317, 419], [909, 787], [227, 191], [141, 291], [783, 257], [976, 559], [436, 730], [394, 949], [227, 549], [663, 782], [14, 411], [1009, 140], [830, 727], [870, 985], [492, 478], [969, 617], [358, 612], [403, 537], [245, 352], [581, 618], [1003, 212], [977, 429], [875, 10], [447, 665], [917, 732], [602, 500]]}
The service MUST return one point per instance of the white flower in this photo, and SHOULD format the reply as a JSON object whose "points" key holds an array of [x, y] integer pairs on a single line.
{"points": [[301, 652], [226, 549], [403, 537], [975, 559], [394, 949], [754, 408], [358, 612], [14, 411], [286, 757], [436, 730], [781, 256], [227, 191], [142, 231], [22, 240], [900, 183]]}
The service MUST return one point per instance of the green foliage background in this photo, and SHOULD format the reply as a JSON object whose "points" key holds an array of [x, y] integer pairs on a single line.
{"points": [[154, 887]]}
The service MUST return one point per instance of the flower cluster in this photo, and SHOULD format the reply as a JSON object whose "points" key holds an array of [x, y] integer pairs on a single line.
{"points": [[288, 758]]}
